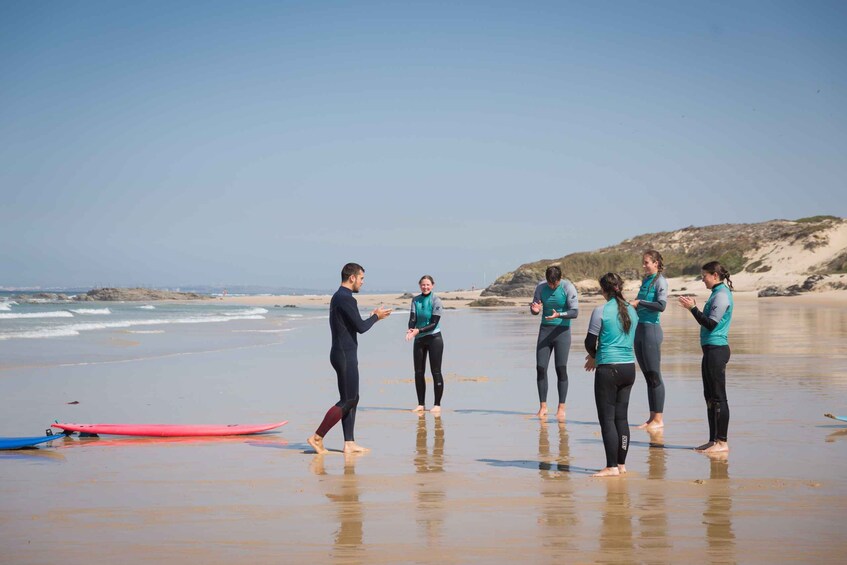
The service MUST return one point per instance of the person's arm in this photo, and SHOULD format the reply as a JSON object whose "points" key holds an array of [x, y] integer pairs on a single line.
{"points": [[720, 304], [571, 303], [351, 312], [595, 324], [431, 325], [412, 316], [535, 305], [661, 297]]}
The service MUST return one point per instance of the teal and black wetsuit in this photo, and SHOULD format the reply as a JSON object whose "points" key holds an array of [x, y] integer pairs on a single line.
{"points": [[425, 314], [554, 335], [344, 323], [652, 297], [612, 349], [714, 321]]}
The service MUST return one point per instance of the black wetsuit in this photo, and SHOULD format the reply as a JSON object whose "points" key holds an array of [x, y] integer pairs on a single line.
{"points": [[345, 323]]}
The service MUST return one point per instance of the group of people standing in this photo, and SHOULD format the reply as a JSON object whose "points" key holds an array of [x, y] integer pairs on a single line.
{"points": [[619, 334]]}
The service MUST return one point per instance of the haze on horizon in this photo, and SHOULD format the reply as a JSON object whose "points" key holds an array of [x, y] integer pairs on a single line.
{"points": [[193, 142]]}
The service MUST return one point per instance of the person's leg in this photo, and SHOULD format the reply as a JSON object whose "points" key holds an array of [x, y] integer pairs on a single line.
{"points": [[436, 353], [336, 412], [718, 357], [543, 349], [651, 367], [624, 379], [707, 394], [419, 358], [350, 396], [562, 348], [605, 393]]}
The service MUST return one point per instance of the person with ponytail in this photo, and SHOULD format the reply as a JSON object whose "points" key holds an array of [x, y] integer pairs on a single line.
{"points": [[650, 303], [556, 299], [609, 342], [424, 317], [714, 323]]}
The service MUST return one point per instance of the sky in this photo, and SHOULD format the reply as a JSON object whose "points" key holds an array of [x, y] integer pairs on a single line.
{"points": [[168, 143]]}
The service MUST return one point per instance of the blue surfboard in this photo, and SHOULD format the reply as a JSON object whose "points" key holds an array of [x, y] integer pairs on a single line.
{"points": [[842, 418], [20, 442]]}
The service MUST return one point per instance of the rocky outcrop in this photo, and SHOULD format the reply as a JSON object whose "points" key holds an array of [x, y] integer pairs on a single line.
{"points": [[489, 303], [137, 295]]}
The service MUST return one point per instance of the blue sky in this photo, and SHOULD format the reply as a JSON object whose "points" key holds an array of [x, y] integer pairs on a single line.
{"points": [[268, 143]]}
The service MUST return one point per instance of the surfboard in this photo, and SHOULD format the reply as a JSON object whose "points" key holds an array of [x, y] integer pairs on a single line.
{"points": [[842, 418], [20, 442], [168, 430]]}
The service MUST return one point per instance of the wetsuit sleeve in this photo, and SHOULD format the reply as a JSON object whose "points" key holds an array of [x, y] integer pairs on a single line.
{"points": [[720, 304], [661, 297], [431, 325], [571, 302], [595, 324], [412, 315], [437, 307], [349, 311], [536, 298]]}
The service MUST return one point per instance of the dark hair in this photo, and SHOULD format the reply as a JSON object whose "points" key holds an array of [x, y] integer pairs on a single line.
{"points": [[715, 268], [351, 269], [427, 277], [612, 284], [657, 258], [553, 274]]}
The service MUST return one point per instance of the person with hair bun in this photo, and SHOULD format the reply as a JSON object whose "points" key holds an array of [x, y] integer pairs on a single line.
{"points": [[556, 299], [714, 323], [424, 317], [650, 303], [609, 342]]}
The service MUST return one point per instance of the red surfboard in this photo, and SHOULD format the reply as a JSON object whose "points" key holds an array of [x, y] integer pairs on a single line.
{"points": [[167, 430]]}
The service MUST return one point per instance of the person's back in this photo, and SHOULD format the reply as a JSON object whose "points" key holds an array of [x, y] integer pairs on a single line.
{"points": [[341, 324]]}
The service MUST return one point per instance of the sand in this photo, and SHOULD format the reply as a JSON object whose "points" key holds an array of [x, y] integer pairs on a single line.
{"points": [[484, 482]]}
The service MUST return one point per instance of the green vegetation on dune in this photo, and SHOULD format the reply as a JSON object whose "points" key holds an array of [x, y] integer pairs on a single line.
{"points": [[684, 252]]}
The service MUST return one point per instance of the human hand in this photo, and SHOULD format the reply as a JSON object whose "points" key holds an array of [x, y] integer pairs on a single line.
{"points": [[381, 312], [634, 303], [410, 335], [687, 302], [535, 307], [552, 316], [590, 363]]}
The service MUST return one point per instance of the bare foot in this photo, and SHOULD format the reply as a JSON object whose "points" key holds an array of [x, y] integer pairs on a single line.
{"points": [[419, 408], [622, 469], [705, 446], [353, 447], [717, 447], [542, 411], [654, 422], [608, 472], [655, 425], [317, 443], [435, 409], [560, 414]]}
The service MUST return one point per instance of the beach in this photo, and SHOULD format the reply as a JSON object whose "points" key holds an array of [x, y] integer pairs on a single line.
{"points": [[485, 481]]}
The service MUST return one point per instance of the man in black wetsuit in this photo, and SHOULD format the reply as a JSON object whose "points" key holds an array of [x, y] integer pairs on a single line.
{"points": [[345, 322]]}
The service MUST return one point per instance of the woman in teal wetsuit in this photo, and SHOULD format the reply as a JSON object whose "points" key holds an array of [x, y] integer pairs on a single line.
{"points": [[424, 318], [714, 323], [609, 342], [650, 303]]}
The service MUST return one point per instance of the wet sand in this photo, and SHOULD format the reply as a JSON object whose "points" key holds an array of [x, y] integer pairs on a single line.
{"points": [[484, 482]]}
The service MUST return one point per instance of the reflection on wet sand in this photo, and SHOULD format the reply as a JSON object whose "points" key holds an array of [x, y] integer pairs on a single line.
{"points": [[345, 492], [718, 513], [558, 516], [653, 512], [430, 494], [616, 542]]}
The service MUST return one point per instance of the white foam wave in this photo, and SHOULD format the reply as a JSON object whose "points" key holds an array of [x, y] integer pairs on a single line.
{"points": [[263, 331], [58, 314], [5, 306], [293, 315], [145, 331], [147, 307], [74, 329], [92, 311], [248, 312]]}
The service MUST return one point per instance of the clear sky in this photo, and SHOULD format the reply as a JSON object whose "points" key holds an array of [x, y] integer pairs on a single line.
{"points": [[203, 142]]}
